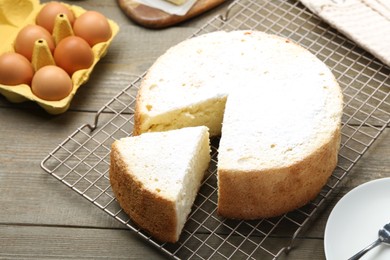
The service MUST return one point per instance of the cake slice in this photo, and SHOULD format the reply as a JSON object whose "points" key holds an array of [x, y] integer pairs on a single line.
{"points": [[156, 177]]}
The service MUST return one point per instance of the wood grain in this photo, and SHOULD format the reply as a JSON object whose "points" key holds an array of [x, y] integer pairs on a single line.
{"points": [[20, 242]]}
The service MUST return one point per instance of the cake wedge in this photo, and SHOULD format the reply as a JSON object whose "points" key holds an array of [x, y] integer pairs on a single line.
{"points": [[156, 177]]}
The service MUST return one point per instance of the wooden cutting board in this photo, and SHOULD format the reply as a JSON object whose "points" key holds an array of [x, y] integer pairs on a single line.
{"points": [[154, 18]]}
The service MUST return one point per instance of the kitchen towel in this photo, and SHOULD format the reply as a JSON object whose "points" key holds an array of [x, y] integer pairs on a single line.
{"points": [[366, 22]]}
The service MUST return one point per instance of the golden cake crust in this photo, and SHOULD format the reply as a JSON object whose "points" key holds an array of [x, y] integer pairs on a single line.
{"points": [[269, 193], [267, 189], [153, 213]]}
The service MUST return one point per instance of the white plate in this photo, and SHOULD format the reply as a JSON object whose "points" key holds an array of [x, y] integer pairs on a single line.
{"points": [[355, 221]]}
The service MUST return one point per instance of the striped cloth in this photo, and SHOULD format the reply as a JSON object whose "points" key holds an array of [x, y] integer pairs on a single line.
{"points": [[366, 22]]}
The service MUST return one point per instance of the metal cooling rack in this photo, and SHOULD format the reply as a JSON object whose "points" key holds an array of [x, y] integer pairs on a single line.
{"points": [[82, 160]]}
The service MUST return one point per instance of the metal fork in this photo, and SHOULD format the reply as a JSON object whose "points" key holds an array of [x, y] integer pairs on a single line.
{"points": [[383, 237]]}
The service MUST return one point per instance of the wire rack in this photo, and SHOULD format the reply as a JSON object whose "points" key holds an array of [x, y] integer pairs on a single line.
{"points": [[82, 160]]}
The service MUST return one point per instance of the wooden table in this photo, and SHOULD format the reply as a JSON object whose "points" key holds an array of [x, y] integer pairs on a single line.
{"points": [[43, 219]]}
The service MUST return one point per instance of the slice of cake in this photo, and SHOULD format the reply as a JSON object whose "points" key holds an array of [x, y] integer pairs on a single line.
{"points": [[279, 105], [156, 177]]}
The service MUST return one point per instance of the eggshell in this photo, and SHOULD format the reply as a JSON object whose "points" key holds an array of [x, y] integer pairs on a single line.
{"points": [[93, 27], [72, 54], [51, 83], [15, 69], [46, 17], [25, 40]]}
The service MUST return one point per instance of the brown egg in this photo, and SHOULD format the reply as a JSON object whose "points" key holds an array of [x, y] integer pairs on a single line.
{"points": [[92, 27], [25, 40], [15, 69], [73, 54], [51, 83], [47, 16]]}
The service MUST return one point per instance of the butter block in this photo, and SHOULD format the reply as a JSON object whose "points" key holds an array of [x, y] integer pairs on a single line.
{"points": [[177, 2]]}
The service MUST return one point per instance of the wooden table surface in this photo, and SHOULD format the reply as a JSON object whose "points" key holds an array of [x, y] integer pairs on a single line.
{"points": [[43, 219]]}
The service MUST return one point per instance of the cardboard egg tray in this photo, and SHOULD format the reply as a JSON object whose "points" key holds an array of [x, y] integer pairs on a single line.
{"points": [[14, 15]]}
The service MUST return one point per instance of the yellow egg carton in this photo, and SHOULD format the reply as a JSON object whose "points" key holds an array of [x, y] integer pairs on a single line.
{"points": [[15, 15]]}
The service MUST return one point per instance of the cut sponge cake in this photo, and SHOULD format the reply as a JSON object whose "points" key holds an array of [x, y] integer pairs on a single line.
{"points": [[156, 176], [286, 154], [279, 105]]}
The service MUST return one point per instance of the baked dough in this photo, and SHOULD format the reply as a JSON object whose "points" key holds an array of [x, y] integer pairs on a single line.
{"points": [[156, 177], [279, 105]]}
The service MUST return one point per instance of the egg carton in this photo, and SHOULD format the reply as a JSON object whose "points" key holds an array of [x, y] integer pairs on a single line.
{"points": [[16, 15]]}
